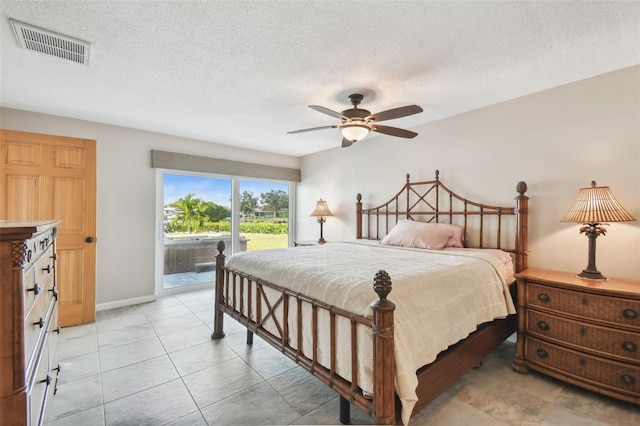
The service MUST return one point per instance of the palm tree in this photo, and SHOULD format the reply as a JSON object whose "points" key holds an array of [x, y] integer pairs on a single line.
{"points": [[190, 212]]}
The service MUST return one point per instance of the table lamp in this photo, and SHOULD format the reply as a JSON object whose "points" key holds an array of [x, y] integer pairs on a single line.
{"points": [[594, 207], [321, 212]]}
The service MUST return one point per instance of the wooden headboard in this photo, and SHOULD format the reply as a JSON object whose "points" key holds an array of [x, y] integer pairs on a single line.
{"points": [[485, 226]]}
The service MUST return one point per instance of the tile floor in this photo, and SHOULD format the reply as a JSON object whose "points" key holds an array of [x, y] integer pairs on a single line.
{"points": [[155, 364], [184, 279]]}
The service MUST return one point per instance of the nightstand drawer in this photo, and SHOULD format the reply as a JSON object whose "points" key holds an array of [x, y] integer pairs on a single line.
{"points": [[596, 307], [614, 375], [608, 342]]}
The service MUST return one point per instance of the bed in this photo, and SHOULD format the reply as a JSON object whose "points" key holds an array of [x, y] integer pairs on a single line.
{"points": [[429, 254]]}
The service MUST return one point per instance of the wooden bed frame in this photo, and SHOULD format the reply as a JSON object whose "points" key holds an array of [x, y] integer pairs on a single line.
{"points": [[430, 201]]}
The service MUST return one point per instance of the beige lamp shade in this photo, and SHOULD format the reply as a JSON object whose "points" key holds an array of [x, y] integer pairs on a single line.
{"points": [[596, 204], [321, 210]]}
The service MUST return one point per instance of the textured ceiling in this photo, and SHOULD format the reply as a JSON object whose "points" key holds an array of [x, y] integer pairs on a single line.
{"points": [[243, 72]]}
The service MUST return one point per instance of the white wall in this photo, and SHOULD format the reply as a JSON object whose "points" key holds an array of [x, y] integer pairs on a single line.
{"points": [[126, 199], [557, 141]]}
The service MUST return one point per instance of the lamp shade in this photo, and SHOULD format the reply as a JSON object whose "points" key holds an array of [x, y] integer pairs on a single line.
{"points": [[321, 210], [596, 204], [354, 132]]}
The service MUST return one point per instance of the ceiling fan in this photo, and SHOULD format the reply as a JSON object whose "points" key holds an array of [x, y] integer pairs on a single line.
{"points": [[357, 123]]}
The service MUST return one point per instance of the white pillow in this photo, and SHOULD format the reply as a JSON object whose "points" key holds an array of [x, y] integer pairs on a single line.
{"points": [[435, 236]]}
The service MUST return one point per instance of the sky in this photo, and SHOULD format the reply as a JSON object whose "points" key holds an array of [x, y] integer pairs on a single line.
{"points": [[217, 190]]}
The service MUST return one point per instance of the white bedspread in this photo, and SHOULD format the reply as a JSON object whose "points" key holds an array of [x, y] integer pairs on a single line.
{"points": [[440, 296]]}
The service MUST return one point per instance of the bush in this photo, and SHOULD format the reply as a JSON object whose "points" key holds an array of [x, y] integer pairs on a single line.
{"points": [[264, 228], [249, 227]]}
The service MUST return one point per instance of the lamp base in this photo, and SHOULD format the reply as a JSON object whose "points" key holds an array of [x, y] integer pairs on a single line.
{"points": [[321, 241], [592, 275]]}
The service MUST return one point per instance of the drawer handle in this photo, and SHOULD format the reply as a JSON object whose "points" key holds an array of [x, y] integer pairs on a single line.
{"points": [[629, 346], [543, 325], [47, 380], [542, 353], [544, 297], [57, 330], [48, 269], [41, 322], [36, 289], [629, 314], [54, 290], [58, 369], [54, 256], [627, 380]]}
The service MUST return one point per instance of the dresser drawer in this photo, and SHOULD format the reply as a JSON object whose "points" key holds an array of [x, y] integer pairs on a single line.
{"points": [[31, 292], [44, 267], [40, 386], [621, 345], [38, 278], [611, 310], [601, 372], [52, 344], [36, 326]]}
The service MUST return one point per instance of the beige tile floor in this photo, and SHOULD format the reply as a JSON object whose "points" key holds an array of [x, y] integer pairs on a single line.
{"points": [[155, 364]]}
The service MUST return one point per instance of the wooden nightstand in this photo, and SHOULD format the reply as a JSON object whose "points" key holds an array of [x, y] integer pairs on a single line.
{"points": [[307, 243], [580, 331]]}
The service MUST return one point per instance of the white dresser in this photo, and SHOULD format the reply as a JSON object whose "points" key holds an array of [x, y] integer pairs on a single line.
{"points": [[28, 321]]}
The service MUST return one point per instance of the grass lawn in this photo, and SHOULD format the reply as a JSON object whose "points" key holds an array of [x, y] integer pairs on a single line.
{"points": [[266, 241]]}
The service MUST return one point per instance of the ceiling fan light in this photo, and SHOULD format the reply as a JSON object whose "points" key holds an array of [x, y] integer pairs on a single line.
{"points": [[354, 132]]}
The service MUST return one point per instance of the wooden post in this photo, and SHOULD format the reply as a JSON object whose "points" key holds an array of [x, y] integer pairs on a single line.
{"points": [[218, 318], [522, 211], [359, 216], [384, 394], [518, 361]]}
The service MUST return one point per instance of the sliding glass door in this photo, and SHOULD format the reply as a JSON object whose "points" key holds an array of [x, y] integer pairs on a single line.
{"points": [[200, 210], [196, 215], [264, 214]]}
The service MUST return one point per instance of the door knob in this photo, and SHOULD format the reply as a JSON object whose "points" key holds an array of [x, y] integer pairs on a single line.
{"points": [[89, 239]]}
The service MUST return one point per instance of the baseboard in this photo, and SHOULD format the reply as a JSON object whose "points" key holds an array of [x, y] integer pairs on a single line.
{"points": [[125, 302]]}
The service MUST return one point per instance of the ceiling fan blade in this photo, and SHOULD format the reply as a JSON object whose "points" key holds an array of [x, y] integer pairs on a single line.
{"points": [[346, 143], [394, 131], [312, 129], [395, 113], [328, 112]]}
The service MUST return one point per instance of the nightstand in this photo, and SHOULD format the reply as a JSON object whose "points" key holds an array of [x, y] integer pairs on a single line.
{"points": [[583, 332], [308, 243]]}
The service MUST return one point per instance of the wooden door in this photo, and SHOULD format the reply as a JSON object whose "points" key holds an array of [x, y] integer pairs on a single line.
{"points": [[53, 177]]}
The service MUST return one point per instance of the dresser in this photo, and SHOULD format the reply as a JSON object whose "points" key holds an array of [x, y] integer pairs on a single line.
{"points": [[580, 331], [28, 321]]}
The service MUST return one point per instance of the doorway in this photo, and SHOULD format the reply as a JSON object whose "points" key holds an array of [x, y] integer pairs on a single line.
{"points": [[54, 177]]}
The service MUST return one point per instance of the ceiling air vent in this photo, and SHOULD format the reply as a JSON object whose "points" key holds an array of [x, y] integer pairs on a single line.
{"points": [[50, 43]]}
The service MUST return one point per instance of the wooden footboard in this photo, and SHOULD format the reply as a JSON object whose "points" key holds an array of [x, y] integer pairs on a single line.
{"points": [[244, 298]]}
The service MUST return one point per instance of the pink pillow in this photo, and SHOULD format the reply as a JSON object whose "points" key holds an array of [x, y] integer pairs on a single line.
{"points": [[457, 235], [435, 236]]}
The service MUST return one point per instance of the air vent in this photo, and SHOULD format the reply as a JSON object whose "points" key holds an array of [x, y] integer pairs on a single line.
{"points": [[50, 43]]}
